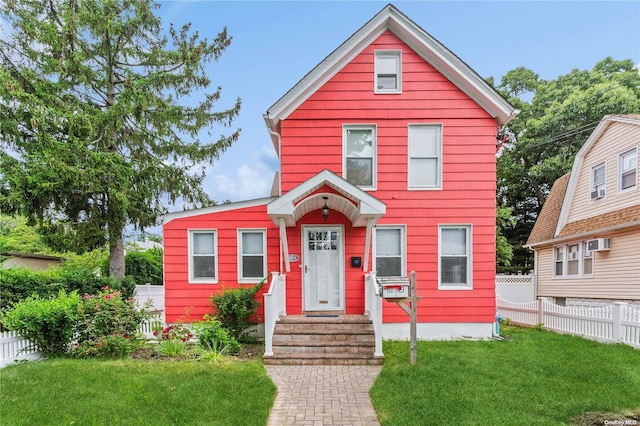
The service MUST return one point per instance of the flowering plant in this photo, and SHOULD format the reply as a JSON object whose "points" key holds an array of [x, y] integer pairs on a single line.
{"points": [[173, 332]]}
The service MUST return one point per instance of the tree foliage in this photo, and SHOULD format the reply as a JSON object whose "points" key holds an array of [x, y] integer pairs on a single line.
{"points": [[556, 118], [99, 118]]}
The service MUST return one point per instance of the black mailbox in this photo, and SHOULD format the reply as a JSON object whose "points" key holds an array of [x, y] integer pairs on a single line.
{"points": [[356, 262]]}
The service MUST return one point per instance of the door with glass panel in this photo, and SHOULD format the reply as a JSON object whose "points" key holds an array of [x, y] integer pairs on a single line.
{"points": [[323, 269]]}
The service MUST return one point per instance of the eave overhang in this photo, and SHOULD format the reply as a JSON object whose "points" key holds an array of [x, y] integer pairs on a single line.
{"points": [[357, 205]]}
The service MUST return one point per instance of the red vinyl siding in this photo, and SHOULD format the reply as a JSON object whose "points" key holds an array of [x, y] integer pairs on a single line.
{"points": [[312, 141]]}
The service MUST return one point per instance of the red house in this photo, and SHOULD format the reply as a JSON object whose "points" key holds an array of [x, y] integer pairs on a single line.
{"points": [[387, 165]]}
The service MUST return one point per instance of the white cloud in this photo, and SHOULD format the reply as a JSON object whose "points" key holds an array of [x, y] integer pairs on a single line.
{"points": [[248, 181]]}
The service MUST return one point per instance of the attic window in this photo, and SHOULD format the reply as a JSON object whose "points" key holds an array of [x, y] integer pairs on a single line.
{"points": [[388, 74]]}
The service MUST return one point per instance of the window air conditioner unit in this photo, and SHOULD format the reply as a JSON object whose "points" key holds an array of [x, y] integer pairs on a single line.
{"points": [[597, 194], [599, 244]]}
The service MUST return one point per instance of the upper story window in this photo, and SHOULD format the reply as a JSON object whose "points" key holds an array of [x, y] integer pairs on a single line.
{"points": [[598, 181], [252, 255], [572, 260], [628, 169], [203, 259], [455, 257], [425, 156], [359, 144], [388, 71], [390, 256]]}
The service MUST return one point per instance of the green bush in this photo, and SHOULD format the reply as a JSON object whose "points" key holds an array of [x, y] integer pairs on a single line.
{"points": [[212, 336], [48, 323], [144, 266], [107, 325], [235, 307], [18, 284]]}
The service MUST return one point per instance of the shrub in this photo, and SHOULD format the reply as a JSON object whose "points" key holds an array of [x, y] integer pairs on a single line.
{"points": [[235, 307], [144, 266], [176, 331], [212, 336], [172, 348], [107, 325], [18, 284], [48, 323]]}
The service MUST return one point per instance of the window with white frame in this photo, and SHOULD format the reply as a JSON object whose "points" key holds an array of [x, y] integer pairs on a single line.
{"points": [[252, 255], [203, 259], [389, 246], [454, 256], [572, 260], [359, 144], [425, 156], [598, 181], [628, 169], [388, 71]]}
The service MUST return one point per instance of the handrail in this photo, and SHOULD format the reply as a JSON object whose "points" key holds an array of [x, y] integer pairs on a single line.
{"points": [[373, 308], [274, 306]]}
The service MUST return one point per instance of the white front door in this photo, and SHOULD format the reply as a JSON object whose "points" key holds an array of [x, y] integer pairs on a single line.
{"points": [[323, 268]]}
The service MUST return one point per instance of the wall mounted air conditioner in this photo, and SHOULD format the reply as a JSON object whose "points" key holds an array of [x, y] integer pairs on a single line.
{"points": [[597, 194], [599, 244]]}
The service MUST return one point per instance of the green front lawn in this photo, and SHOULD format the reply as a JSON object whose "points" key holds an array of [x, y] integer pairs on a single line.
{"points": [[532, 378], [134, 392]]}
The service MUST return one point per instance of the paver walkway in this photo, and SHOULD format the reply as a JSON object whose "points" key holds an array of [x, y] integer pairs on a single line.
{"points": [[322, 395]]}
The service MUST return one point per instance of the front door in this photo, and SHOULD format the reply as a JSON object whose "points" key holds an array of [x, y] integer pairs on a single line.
{"points": [[323, 271]]}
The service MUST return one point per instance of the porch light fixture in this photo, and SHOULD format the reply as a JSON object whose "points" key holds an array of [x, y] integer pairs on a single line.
{"points": [[325, 209]]}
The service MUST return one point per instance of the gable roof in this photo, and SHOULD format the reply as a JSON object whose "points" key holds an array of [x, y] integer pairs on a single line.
{"points": [[598, 132], [425, 45], [551, 224], [545, 226]]}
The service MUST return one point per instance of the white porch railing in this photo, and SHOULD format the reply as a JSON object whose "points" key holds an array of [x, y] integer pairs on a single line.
{"points": [[373, 308], [275, 304], [615, 323]]}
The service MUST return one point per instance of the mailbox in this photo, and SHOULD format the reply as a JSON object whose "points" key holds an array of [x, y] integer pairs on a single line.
{"points": [[394, 287]]}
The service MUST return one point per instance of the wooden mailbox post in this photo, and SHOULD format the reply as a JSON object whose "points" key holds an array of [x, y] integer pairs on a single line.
{"points": [[402, 290]]}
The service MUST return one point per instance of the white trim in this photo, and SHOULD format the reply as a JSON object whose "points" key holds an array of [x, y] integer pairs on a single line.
{"points": [[592, 184], [597, 133], [469, 255], [403, 247], [374, 156], [388, 53], [619, 171], [216, 255], [263, 232], [430, 49], [439, 331], [440, 157], [341, 260], [168, 217], [366, 205]]}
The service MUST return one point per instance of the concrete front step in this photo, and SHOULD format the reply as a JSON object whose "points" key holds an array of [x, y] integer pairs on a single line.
{"points": [[330, 340]]}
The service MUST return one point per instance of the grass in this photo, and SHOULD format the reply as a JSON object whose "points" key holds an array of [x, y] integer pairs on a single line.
{"points": [[533, 377], [135, 392]]}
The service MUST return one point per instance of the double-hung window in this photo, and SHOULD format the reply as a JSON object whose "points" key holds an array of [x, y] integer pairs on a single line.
{"points": [[572, 260], [425, 156], [390, 251], [598, 181], [628, 169], [455, 257], [359, 144], [252, 255], [203, 259], [388, 71]]}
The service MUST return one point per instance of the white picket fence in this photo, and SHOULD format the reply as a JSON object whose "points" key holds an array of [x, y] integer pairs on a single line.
{"points": [[615, 323], [14, 347]]}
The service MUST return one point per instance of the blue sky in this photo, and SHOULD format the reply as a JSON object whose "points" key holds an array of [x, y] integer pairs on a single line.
{"points": [[276, 43]]}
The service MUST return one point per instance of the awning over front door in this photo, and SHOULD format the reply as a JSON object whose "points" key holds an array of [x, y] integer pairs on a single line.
{"points": [[360, 207]]}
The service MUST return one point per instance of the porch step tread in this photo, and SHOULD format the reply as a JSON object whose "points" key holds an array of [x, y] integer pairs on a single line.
{"points": [[320, 355], [318, 342]]}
